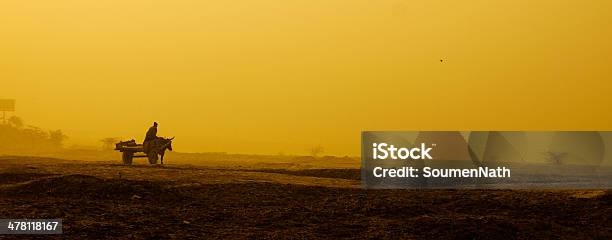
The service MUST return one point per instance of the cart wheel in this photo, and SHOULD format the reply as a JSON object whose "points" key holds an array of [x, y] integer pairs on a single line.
{"points": [[152, 157], [127, 158]]}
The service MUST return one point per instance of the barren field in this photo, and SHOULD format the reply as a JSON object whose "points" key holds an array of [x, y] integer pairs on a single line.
{"points": [[104, 199]]}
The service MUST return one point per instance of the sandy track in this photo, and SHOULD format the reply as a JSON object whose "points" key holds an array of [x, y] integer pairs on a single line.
{"points": [[183, 174]]}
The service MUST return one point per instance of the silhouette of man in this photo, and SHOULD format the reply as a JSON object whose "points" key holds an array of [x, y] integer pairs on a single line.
{"points": [[151, 135], [152, 132]]}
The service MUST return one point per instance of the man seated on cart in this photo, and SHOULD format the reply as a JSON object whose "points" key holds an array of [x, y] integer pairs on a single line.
{"points": [[151, 135]]}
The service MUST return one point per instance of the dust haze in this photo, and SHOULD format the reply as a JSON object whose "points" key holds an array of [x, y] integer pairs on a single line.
{"points": [[266, 101], [276, 76]]}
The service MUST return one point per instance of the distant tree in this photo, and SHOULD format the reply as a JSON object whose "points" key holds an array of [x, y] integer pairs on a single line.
{"points": [[554, 157], [316, 150], [57, 138], [15, 121], [34, 132], [109, 143]]}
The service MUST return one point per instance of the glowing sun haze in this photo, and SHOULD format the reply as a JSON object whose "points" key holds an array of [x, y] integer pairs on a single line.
{"points": [[269, 76]]}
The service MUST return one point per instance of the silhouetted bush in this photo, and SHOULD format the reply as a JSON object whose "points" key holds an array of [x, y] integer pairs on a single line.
{"points": [[15, 138]]}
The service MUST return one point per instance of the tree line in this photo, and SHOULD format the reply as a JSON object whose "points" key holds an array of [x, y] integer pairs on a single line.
{"points": [[18, 137]]}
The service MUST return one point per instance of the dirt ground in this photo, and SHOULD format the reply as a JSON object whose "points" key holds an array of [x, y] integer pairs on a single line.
{"points": [[98, 199]]}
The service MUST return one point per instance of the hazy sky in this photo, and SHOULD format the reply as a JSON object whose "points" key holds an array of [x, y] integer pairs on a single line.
{"points": [[269, 76]]}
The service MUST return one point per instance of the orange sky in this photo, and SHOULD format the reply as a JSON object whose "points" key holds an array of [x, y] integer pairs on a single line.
{"points": [[270, 76]]}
